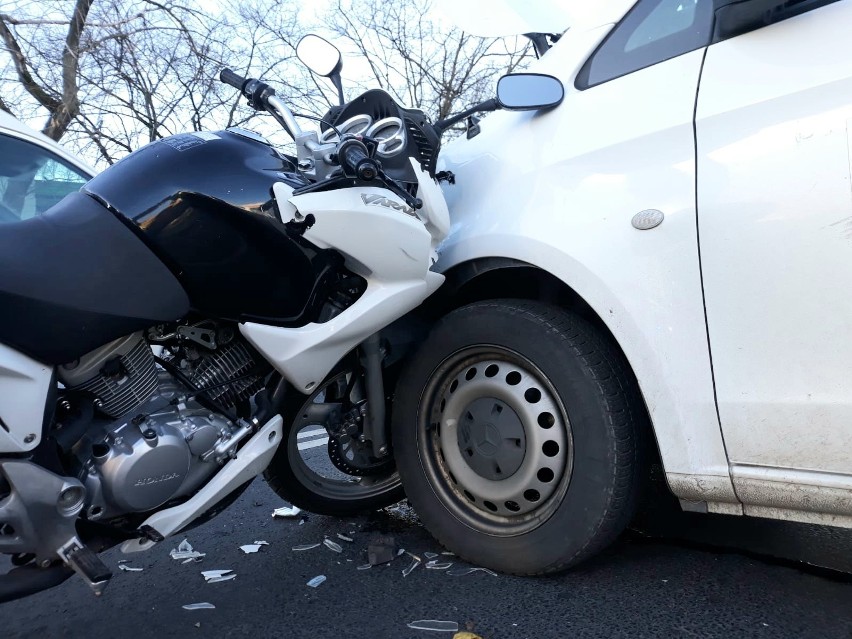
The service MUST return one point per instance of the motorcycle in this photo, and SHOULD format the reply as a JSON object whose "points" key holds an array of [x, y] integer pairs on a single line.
{"points": [[174, 329]]}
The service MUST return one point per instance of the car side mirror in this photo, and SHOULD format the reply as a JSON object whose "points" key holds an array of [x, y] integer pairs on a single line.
{"points": [[529, 92], [323, 59]]}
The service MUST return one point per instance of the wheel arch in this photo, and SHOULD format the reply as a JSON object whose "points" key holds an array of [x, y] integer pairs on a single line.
{"points": [[503, 277]]}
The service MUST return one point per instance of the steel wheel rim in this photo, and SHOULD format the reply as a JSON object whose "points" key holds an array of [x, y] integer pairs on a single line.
{"points": [[464, 387], [351, 489]]}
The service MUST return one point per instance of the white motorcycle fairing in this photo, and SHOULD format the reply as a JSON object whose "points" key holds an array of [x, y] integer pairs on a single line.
{"points": [[24, 386], [382, 240]]}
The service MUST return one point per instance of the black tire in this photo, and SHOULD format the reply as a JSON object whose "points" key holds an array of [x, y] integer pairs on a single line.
{"points": [[564, 365], [298, 485]]}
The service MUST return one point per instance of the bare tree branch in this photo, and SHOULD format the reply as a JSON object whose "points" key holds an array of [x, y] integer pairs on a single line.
{"points": [[24, 75]]}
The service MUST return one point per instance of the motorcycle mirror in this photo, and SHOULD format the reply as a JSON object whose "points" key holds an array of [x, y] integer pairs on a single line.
{"points": [[322, 58], [529, 91]]}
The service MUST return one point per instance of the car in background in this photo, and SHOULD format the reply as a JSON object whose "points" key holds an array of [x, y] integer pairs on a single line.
{"points": [[35, 171]]}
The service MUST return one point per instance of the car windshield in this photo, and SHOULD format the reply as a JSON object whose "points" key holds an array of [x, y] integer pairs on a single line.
{"points": [[496, 18]]}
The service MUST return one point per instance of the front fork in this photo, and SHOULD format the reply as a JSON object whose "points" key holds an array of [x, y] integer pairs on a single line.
{"points": [[375, 429]]}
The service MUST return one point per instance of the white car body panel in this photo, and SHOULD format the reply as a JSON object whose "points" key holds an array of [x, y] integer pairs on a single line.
{"points": [[566, 206], [774, 201], [775, 211]]}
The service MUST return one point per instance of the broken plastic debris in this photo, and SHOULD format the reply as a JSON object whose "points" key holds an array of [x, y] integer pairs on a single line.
{"points": [[124, 561], [287, 511], [435, 565], [250, 548], [262, 543], [199, 606], [186, 551], [328, 543], [469, 635], [400, 552], [461, 572], [413, 556], [345, 538], [305, 547], [435, 625], [365, 567], [216, 580], [128, 568], [316, 581], [430, 555], [213, 574], [449, 554], [411, 568]]}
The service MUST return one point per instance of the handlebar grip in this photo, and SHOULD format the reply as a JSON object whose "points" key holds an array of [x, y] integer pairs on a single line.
{"points": [[232, 79], [354, 156]]}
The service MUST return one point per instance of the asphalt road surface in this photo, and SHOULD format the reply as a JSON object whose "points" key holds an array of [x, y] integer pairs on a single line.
{"points": [[669, 585]]}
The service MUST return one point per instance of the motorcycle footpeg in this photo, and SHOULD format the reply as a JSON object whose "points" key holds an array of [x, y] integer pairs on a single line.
{"points": [[86, 563]]}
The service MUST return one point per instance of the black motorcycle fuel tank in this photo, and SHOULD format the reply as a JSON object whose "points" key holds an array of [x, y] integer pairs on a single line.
{"points": [[203, 203]]}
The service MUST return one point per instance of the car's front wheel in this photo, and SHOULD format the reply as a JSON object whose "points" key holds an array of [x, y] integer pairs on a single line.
{"points": [[517, 432]]}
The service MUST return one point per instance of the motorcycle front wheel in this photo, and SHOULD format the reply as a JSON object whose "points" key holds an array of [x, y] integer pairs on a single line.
{"points": [[323, 465]]}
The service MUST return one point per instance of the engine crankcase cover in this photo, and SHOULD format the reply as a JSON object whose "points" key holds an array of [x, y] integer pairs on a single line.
{"points": [[142, 466]]}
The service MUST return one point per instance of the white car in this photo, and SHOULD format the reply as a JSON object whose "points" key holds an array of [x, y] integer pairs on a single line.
{"points": [[35, 171], [662, 263]]}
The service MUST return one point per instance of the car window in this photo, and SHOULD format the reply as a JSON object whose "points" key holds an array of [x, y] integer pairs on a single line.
{"points": [[32, 179], [652, 32]]}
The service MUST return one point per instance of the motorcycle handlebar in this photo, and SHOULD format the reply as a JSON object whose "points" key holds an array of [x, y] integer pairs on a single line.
{"points": [[232, 79], [353, 156]]}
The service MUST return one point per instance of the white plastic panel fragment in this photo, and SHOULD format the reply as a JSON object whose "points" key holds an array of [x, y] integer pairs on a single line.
{"points": [[24, 385]]}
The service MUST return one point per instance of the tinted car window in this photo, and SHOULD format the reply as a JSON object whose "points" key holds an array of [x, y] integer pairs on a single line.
{"points": [[653, 31], [32, 179]]}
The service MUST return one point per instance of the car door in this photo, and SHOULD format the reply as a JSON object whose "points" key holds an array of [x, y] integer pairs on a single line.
{"points": [[32, 179], [774, 199]]}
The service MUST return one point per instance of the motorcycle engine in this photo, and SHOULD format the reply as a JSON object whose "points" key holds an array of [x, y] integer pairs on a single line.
{"points": [[148, 439]]}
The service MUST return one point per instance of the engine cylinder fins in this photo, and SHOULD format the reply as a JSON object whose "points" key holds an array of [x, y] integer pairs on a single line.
{"points": [[121, 375]]}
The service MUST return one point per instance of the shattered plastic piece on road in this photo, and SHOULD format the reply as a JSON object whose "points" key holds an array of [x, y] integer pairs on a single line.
{"points": [[316, 581], [195, 559], [430, 555], [469, 635], [449, 554], [128, 568], [287, 511], [124, 561], [305, 547], [381, 550], [345, 538], [328, 543], [250, 548], [199, 606], [216, 580], [213, 574], [461, 572], [435, 565], [400, 552], [261, 543], [365, 567], [185, 551], [411, 568], [434, 625]]}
